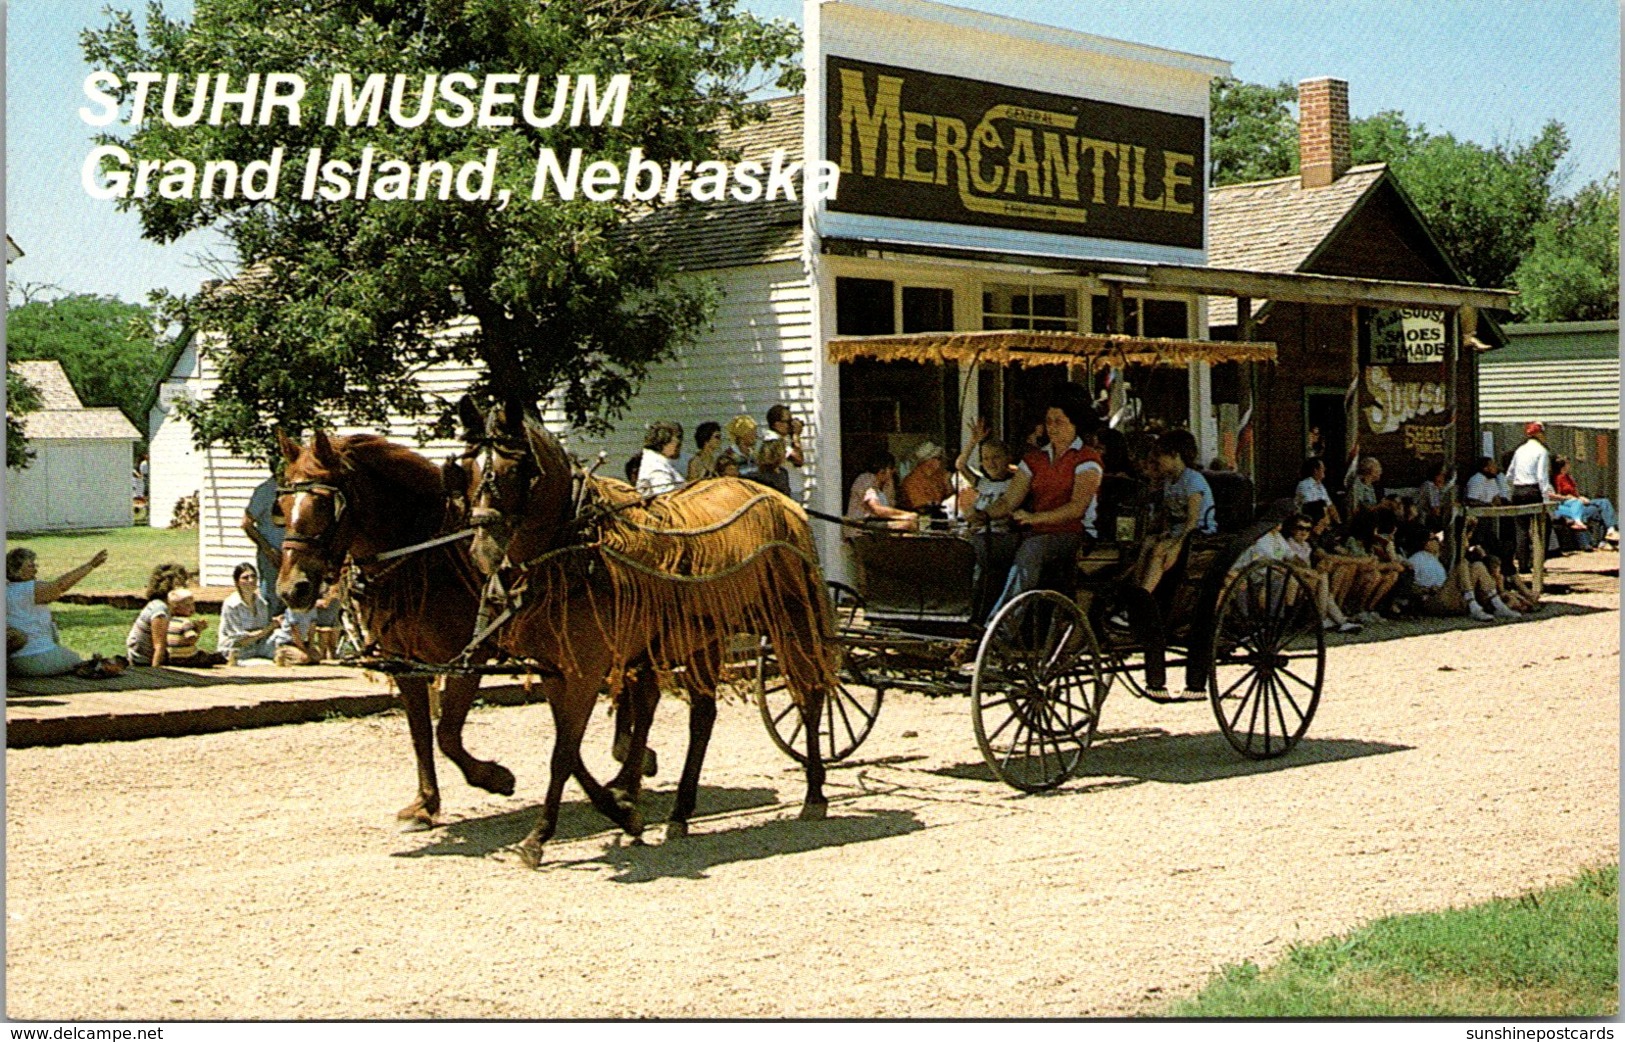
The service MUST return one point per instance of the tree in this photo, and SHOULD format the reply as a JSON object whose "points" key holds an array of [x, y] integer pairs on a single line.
{"points": [[110, 349], [1572, 272], [1253, 132], [1482, 204], [341, 303], [21, 399]]}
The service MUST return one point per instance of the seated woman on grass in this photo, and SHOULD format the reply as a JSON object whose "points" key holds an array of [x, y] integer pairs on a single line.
{"points": [[148, 641], [39, 654]]}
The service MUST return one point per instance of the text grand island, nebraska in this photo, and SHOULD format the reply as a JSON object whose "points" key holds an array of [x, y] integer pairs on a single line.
{"points": [[110, 172]]}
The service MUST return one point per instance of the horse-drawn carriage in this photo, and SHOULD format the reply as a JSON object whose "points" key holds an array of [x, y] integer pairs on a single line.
{"points": [[579, 579], [1247, 634]]}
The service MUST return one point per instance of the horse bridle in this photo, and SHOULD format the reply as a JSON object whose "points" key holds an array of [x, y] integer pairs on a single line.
{"points": [[320, 541], [487, 449]]}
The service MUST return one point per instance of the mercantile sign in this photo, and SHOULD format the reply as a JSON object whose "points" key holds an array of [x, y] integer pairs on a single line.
{"points": [[932, 147]]}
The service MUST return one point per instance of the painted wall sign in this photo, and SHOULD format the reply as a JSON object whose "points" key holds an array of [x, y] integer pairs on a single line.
{"points": [[1424, 441], [931, 147], [1394, 402], [1408, 336]]}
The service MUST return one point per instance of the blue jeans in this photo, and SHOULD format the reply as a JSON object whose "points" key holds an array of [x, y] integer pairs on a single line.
{"points": [[1601, 510], [994, 552], [1035, 551]]}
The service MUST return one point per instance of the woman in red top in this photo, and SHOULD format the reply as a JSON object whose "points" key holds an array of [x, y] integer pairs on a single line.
{"points": [[1579, 510], [1052, 494]]}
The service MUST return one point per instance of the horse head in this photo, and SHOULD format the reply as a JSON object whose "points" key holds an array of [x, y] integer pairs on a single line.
{"points": [[519, 481], [313, 498], [352, 496]]}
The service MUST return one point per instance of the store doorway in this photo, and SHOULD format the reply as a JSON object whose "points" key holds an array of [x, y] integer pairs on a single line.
{"points": [[1326, 429]]}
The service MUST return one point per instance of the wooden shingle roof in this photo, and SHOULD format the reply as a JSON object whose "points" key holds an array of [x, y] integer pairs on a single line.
{"points": [[728, 233], [61, 413], [1278, 225]]}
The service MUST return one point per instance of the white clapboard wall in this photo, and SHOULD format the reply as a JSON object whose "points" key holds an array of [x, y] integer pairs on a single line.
{"points": [[757, 352]]}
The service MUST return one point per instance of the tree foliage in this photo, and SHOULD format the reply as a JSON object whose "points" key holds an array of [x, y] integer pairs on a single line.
{"points": [[1481, 203], [1572, 271], [1254, 136], [21, 399], [109, 348], [341, 304], [1497, 211]]}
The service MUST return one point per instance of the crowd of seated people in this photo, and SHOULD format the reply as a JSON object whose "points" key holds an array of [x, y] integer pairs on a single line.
{"points": [[1379, 555]]}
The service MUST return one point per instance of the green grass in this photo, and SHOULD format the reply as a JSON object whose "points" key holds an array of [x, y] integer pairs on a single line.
{"points": [[93, 629], [1554, 953], [131, 555]]}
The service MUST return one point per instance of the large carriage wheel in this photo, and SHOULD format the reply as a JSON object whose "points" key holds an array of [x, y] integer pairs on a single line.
{"points": [[1269, 660], [850, 710], [1037, 691]]}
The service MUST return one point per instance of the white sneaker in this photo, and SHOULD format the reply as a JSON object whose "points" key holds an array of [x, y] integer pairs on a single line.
{"points": [[1502, 611], [1479, 614], [1349, 627]]}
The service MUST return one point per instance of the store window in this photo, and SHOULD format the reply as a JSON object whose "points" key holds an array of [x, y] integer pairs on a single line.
{"points": [[1028, 307], [893, 406], [863, 307], [1143, 316]]}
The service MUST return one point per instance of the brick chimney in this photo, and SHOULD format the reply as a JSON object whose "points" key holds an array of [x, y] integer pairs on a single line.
{"points": [[1324, 153]]}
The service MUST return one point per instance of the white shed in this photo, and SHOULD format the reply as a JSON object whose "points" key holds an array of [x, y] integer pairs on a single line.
{"points": [[83, 459]]}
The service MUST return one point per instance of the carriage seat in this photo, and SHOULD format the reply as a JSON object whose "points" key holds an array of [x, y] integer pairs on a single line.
{"points": [[914, 576]]}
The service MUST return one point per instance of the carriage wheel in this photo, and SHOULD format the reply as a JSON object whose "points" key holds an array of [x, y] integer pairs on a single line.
{"points": [[1269, 660], [850, 710], [1037, 691]]}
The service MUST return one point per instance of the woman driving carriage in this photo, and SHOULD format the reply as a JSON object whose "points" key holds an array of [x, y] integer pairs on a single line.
{"points": [[1052, 494]]}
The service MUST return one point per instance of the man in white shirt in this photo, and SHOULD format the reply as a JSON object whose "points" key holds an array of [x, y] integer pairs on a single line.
{"points": [[1484, 487], [1530, 476], [657, 470], [1531, 471]]}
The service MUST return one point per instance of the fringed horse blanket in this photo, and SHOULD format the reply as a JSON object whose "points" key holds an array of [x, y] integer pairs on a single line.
{"points": [[684, 571]]}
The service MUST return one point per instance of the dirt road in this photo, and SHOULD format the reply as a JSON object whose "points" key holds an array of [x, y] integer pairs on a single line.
{"points": [[259, 874]]}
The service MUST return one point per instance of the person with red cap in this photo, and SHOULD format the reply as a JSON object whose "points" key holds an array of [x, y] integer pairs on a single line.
{"points": [[1530, 477], [1531, 472]]}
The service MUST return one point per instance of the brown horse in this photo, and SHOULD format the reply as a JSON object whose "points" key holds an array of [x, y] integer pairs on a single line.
{"points": [[357, 497], [599, 581]]}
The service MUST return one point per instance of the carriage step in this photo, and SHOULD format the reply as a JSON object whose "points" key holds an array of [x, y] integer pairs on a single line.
{"points": [[1166, 697]]}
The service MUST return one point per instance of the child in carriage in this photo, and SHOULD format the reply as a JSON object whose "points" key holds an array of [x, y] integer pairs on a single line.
{"points": [[1187, 499], [994, 543]]}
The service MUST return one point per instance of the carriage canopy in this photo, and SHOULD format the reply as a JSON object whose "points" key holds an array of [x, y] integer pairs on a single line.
{"points": [[1027, 347]]}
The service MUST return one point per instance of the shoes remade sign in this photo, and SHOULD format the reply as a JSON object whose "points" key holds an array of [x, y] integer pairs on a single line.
{"points": [[930, 147]]}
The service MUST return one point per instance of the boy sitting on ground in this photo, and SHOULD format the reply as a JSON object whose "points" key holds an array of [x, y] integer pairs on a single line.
{"points": [[294, 639], [185, 627], [1468, 589]]}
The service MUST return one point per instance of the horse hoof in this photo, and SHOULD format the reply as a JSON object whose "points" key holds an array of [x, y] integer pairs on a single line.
{"points": [[676, 830], [634, 822], [622, 746], [530, 855], [651, 763], [497, 779], [416, 818], [814, 811]]}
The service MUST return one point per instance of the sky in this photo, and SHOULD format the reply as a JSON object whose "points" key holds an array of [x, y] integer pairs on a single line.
{"points": [[1484, 70]]}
